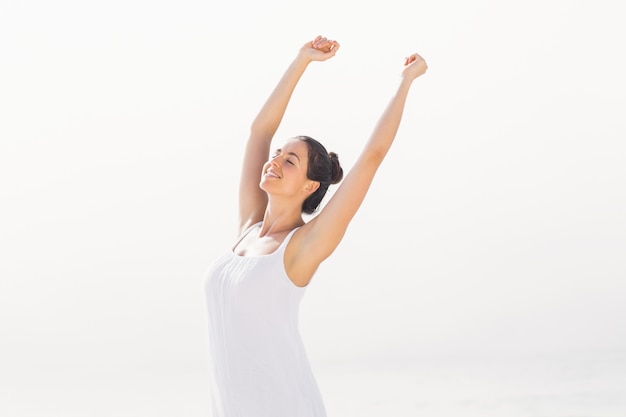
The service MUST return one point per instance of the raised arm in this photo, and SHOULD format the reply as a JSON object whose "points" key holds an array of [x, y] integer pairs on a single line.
{"points": [[327, 229], [253, 200]]}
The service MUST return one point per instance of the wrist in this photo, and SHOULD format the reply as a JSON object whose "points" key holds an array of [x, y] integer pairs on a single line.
{"points": [[406, 81], [302, 58]]}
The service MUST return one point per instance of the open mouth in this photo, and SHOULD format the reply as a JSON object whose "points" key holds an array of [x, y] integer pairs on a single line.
{"points": [[270, 173]]}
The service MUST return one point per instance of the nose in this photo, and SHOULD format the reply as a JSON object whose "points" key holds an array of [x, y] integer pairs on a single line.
{"points": [[272, 163]]}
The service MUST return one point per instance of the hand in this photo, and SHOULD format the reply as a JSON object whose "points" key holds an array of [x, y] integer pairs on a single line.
{"points": [[319, 49], [414, 67]]}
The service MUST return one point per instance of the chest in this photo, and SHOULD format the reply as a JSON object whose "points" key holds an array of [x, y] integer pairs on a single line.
{"points": [[254, 245], [252, 286]]}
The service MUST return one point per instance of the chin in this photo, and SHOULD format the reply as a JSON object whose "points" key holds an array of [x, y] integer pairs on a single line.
{"points": [[263, 185]]}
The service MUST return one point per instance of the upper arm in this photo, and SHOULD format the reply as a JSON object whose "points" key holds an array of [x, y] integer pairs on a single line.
{"points": [[252, 199], [326, 230]]}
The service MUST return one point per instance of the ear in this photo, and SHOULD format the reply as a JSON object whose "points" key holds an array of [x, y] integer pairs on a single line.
{"points": [[311, 186]]}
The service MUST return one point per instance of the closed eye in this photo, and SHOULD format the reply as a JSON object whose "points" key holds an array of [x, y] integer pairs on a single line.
{"points": [[279, 152]]}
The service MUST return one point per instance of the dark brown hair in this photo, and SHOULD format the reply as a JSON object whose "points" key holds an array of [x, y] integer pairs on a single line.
{"points": [[324, 168]]}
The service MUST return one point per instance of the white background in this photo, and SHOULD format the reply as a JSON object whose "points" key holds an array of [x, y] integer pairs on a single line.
{"points": [[495, 226]]}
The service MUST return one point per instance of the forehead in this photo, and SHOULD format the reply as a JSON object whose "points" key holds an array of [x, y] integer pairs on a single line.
{"points": [[296, 146]]}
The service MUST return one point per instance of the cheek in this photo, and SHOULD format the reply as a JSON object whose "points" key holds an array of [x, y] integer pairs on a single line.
{"points": [[298, 173]]}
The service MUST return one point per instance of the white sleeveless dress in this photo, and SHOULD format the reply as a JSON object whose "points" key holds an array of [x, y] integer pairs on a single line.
{"points": [[257, 363]]}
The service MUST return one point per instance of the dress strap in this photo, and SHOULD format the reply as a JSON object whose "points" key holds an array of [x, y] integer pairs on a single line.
{"points": [[287, 238], [244, 234]]}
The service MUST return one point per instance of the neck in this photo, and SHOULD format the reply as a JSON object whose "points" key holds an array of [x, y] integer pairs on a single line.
{"points": [[280, 218]]}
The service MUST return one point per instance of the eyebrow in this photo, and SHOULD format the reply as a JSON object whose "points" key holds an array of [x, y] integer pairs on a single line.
{"points": [[288, 153]]}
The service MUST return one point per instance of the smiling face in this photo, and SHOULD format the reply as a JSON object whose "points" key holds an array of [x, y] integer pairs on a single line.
{"points": [[285, 172]]}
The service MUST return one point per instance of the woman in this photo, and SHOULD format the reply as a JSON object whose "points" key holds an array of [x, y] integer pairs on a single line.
{"points": [[258, 365]]}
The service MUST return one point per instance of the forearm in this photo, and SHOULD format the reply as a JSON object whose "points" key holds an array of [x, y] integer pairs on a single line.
{"points": [[267, 121], [387, 126]]}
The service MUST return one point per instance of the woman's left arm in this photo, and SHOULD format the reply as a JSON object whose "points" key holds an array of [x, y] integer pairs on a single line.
{"points": [[327, 229]]}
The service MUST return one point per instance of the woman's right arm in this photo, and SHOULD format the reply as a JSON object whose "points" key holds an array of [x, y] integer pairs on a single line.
{"points": [[253, 200]]}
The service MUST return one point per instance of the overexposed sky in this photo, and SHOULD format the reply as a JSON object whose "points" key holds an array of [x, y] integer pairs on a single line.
{"points": [[497, 222]]}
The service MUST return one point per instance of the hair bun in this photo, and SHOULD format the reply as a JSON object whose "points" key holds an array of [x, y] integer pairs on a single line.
{"points": [[336, 170]]}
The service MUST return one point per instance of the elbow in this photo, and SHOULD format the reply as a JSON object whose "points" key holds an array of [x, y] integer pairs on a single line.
{"points": [[376, 154], [260, 129], [255, 126]]}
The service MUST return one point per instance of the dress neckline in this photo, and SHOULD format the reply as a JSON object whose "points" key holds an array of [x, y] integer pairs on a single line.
{"points": [[245, 233]]}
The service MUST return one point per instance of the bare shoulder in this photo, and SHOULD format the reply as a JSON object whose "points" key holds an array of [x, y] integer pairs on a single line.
{"points": [[301, 258]]}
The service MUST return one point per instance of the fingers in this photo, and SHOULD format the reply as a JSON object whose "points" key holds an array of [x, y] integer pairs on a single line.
{"points": [[331, 48], [415, 66], [325, 45], [319, 42], [413, 58], [410, 59]]}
